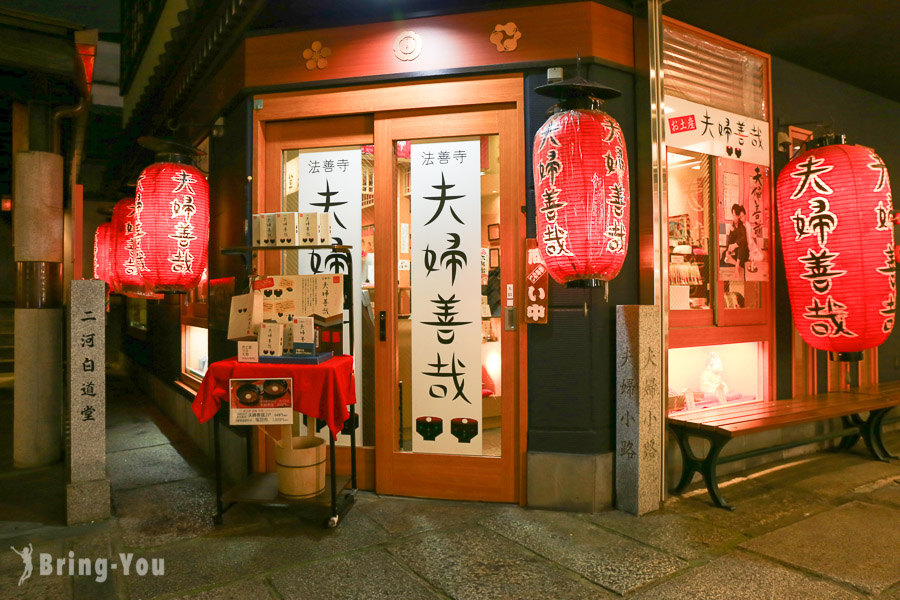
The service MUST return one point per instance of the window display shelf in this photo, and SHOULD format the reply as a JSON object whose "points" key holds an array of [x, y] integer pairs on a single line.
{"points": [[243, 249]]}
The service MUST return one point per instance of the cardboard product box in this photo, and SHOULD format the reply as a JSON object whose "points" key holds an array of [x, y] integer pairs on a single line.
{"points": [[330, 333], [324, 229], [271, 339], [329, 294], [245, 316], [248, 352], [287, 225], [268, 228], [256, 222], [287, 340], [308, 229], [303, 333]]}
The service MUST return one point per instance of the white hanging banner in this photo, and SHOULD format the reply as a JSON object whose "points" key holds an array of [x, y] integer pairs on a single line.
{"points": [[330, 180], [708, 130], [445, 194]]}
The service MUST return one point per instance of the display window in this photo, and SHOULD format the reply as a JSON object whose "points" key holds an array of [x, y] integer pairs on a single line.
{"points": [[195, 341]]}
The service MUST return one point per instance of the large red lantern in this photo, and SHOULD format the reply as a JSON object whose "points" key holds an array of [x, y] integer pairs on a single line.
{"points": [[101, 252], [581, 185], [834, 212], [125, 248], [173, 200]]}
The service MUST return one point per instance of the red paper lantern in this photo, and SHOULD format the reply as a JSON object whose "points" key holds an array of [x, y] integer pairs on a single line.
{"points": [[125, 248], [834, 211], [101, 252], [582, 192], [172, 206]]}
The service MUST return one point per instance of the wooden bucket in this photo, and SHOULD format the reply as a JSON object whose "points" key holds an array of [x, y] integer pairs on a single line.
{"points": [[300, 462]]}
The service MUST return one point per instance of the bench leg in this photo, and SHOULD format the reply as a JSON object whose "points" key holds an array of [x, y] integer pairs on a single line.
{"points": [[848, 441], [706, 466], [871, 434]]}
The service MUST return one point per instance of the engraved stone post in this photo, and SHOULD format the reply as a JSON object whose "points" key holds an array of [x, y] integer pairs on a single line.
{"points": [[638, 409], [87, 493]]}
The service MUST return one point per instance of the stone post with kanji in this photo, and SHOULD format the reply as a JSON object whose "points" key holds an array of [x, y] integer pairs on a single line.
{"points": [[87, 492], [639, 425]]}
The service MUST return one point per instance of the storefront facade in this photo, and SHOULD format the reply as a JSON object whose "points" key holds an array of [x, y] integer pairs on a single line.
{"points": [[399, 97]]}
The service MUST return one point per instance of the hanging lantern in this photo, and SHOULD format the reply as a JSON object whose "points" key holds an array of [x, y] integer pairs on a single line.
{"points": [[834, 211], [101, 252], [581, 185], [172, 215]]}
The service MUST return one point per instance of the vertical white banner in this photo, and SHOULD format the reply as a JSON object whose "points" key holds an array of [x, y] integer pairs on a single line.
{"points": [[330, 180], [445, 191]]}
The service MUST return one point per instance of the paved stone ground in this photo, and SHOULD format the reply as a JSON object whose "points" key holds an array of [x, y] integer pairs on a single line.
{"points": [[822, 526]]}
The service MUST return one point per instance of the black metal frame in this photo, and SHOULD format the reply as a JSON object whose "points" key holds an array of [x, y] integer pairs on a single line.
{"points": [[855, 427], [339, 507]]}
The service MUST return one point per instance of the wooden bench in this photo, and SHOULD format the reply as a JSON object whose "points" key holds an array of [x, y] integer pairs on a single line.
{"points": [[720, 425]]}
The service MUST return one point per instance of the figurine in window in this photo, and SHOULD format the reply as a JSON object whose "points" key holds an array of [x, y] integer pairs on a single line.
{"points": [[711, 378]]}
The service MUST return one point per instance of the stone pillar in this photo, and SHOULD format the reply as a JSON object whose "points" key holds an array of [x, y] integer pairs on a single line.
{"points": [[38, 239], [87, 494], [639, 425]]}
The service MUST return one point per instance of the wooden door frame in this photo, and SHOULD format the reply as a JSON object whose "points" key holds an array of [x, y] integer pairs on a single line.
{"points": [[378, 100]]}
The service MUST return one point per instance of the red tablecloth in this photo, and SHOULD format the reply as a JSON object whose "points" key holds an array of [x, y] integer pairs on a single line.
{"points": [[321, 391]]}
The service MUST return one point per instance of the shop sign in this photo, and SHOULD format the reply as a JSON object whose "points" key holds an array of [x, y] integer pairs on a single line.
{"points": [[445, 187], [708, 130], [330, 181], [537, 284]]}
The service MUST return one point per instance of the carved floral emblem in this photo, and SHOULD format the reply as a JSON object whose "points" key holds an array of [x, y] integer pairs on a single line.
{"points": [[316, 56], [408, 45], [506, 37]]}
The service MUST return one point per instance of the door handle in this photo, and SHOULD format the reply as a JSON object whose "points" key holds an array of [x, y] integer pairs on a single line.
{"points": [[509, 318], [382, 326]]}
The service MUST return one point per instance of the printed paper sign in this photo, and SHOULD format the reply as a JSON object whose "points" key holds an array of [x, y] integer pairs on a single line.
{"points": [[708, 130], [330, 181], [260, 402], [445, 189], [537, 284]]}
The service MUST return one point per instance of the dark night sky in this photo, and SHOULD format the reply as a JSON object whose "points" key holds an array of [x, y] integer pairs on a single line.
{"points": [[93, 14]]}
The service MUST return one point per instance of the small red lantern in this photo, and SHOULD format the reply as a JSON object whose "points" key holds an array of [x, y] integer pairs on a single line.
{"points": [[125, 248], [581, 185], [834, 211], [101, 252], [172, 214]]}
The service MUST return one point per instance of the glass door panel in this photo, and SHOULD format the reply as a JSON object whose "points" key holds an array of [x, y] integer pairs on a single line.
{"points": [[448, 273]]}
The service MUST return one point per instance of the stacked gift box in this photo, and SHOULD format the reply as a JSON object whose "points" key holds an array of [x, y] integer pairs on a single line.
{"points": [[289, 316], [271, 230]]}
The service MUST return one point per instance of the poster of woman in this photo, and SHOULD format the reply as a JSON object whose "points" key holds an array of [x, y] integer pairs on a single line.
{"points": [[743, 221]]}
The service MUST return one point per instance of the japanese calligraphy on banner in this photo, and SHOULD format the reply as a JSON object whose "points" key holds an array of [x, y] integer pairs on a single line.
{"points": [[742, 191], [330, 180], [445, 190], [708, 130], [537, 284]]}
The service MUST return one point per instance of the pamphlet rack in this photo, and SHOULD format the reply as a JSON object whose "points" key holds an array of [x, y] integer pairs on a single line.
{"points": [[262, 488]]}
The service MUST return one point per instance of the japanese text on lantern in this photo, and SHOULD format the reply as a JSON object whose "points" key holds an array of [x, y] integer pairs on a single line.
{"points": [[827, 314], [135, 263], [446, 352], [183, 208], [549, 168]]}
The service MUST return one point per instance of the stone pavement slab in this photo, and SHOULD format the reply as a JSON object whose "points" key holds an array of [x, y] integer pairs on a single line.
{"points": [[358, 576], [856, 543], [130, 469], [178, 510], [615, 562], [407, 516], [758, 508], [741, 576], [255, 589], [208, 561], [676, 534], [827, 475], [886, 493], [475, 564]]}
